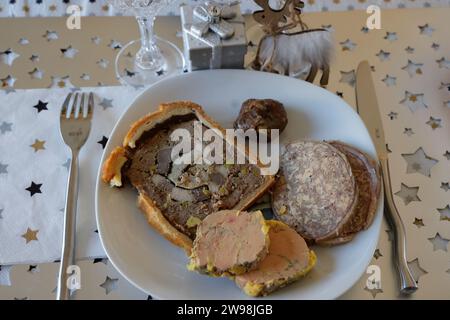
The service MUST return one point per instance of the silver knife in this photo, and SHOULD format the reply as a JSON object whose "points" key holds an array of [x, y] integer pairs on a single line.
{"points": [[367, 107]]}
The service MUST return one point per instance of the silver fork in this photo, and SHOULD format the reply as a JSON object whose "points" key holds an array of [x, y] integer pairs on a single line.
{"points": [[75, 125]]}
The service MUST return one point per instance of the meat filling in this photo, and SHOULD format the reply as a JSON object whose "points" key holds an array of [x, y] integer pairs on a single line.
{"points": [[186, 192]]}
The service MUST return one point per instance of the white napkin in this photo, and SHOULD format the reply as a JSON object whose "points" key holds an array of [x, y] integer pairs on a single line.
{"points": [[32, 154]]}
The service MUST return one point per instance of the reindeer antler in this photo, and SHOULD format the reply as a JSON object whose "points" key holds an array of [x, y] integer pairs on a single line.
{"points": [[271, 19], [274, 21]]}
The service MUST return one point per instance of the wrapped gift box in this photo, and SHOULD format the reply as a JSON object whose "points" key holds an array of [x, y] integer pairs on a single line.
{"points": [[223, 54]]}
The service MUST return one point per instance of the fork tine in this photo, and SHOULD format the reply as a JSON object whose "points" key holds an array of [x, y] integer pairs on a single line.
{"points": [[81, 112], [74, 106], [65, 105], [90, 105]]}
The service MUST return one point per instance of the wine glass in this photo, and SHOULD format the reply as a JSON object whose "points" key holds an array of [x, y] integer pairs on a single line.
{"points": [[145, 61]]}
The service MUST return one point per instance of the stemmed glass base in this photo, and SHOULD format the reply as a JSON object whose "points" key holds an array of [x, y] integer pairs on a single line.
{"points": [[129, 73]]}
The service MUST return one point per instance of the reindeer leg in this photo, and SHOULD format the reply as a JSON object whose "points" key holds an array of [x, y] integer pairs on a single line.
{"points": [[256, 64], [268, 64], [325, 77], [312, 74]]}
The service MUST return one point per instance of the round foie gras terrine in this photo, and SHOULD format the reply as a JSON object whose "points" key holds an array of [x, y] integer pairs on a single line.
{"points": [[288, 260], [368, 180], [176, 197], [316, 193], [229, 242]]}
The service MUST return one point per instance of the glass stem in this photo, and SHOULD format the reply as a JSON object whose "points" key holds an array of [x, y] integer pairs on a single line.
{"points": [[149, 56]]}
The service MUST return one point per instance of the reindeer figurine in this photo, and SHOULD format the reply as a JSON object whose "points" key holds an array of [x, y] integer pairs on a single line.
{"points": [[285, 51]]}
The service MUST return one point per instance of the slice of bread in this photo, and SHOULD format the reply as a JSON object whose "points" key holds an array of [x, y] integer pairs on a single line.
{"points": [[316, 193], [174, 208], [288, 260], [230, 242]]}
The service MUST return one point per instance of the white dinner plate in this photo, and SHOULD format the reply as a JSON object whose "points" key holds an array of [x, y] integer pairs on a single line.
{"points": [[158, 268]]}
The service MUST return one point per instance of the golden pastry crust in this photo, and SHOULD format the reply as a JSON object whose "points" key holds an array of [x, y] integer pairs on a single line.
{"points": [[164, 112], [157, 220], [111, 171]]}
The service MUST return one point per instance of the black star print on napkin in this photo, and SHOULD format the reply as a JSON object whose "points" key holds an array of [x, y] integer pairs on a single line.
{"points": [[34, 188], [103, 142], [41, 106]]}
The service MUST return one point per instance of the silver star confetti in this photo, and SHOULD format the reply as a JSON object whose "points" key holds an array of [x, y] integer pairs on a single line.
{"points": [[5, 272], [106, 103], [348, 77], [426, 30], [67, 164], [390, 81], [435, 46], [445, 212], [36, 73], [439, 243], [96, 40], [23, 41], [34, 58], [418, 223], [101, 260], [392, 115], [434, 123], [103, 63], [7, 57], [5, 127], [443, 63], [109, 284], [51, 35], [114, 44], [444, 86], [409, 50], [413, 68], [408, 194], [416, 269], [391, 36], [347, 45], [3, 168], [419, 162], [377, 254], [69, 52], [414, 101], [7, 82], [61, 82], [373, 291], [408, 131], [383, 55]]}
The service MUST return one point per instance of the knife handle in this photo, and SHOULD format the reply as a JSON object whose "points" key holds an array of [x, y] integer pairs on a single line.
{"points": [[408, 284]]}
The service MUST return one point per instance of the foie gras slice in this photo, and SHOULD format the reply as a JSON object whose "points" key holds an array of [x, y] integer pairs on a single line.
{"points": [[229, 242], [288, 260]]}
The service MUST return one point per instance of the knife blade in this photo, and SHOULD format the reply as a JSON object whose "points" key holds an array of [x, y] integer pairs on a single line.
{"points": [[369, 111], [367, 107]]}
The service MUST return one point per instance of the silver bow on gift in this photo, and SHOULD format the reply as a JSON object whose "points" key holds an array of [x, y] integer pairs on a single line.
{"points": [[212, 16]]}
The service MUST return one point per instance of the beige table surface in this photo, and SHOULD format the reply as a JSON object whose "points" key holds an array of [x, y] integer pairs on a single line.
{"points": [[431, 266]]}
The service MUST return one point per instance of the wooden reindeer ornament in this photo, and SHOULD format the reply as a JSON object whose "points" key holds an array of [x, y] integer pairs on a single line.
{"points": [[288, 46]]}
